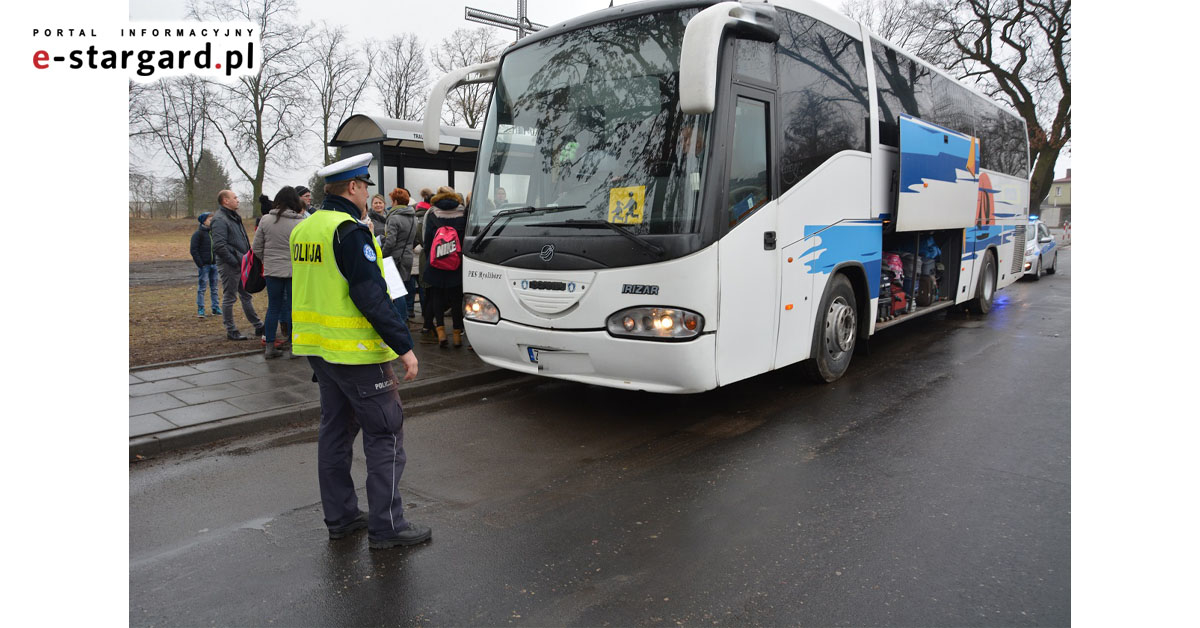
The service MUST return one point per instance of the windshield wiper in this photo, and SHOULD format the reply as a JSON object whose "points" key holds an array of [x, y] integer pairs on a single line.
{"points": [[586, 224], [506, 213]]}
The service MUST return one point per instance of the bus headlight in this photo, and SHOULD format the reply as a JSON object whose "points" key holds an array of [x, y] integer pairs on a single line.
{"points": [[656, 323], [477, 308]]}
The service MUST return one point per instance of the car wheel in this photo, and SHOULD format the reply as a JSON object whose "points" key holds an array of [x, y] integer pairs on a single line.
{"points": [[836, 332], [1037, 272], [1053, 264], [982, 303]]}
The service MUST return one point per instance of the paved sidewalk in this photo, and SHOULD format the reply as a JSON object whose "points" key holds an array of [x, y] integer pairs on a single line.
{"points": [[173, 406]]}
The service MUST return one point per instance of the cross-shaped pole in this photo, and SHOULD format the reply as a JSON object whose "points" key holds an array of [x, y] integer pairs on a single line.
{"points": [[521, 23]]}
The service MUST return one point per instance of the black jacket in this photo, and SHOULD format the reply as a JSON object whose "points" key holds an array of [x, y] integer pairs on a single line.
{"points": [[202, 247], [230, 241], [446, 212]]}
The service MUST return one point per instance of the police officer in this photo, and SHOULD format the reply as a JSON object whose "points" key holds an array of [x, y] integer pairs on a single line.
{"points": [[343, 320]]}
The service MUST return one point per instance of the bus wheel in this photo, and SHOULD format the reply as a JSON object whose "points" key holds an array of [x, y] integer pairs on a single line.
{"points": [[1037, 272], [1053, 264], [836, 332], [982, 303]]}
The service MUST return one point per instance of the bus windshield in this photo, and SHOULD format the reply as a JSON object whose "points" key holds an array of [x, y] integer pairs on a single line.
{"points": [[588, 121]]}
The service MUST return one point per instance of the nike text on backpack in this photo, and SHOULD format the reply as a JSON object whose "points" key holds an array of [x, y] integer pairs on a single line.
{"points": [[445, 253]]}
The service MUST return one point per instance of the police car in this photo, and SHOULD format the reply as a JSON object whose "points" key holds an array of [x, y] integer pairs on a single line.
{"points": [[1041, 251]]}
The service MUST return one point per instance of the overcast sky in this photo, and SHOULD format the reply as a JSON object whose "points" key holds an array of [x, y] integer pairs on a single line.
{"points": [[381, 19]]}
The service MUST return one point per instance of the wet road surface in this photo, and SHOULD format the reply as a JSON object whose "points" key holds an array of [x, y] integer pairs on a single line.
{"points": [[930, 486]]}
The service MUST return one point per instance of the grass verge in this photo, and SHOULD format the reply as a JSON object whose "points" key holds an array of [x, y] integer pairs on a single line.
{"points": [[163, 326]]}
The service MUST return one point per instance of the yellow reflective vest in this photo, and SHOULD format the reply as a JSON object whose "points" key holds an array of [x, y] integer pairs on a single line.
{"points": [[325, 322]]}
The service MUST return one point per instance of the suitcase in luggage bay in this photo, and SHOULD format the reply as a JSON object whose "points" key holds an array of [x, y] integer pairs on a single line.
{"points": [[926, 290]]}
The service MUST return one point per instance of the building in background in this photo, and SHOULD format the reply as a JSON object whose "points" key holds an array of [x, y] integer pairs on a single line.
{"points": [[1056, 207]]}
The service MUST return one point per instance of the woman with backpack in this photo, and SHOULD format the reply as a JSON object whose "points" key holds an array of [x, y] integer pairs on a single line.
{"points": [[445, 224], [271, 244]]}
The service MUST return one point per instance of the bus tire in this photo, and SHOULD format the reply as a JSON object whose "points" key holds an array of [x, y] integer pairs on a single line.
{"points": [[836, 332], [1053, 264], [986, 290]]}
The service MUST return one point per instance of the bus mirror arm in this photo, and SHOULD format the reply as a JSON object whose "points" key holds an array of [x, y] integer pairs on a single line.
{"points": [[701, 51], [432, 131]]}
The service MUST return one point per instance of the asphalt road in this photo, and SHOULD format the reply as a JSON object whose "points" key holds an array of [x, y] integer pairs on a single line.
{"points": [[930, 486]]}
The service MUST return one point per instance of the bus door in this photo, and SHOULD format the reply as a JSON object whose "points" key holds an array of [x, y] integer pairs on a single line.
{"points": [[749, 257]]}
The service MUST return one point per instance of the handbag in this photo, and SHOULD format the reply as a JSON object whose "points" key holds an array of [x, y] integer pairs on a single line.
{"points": [[252, 273]]}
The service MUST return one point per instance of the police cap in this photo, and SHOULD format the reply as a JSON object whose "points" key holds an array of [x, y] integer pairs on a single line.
{"points": [[349, 168]]}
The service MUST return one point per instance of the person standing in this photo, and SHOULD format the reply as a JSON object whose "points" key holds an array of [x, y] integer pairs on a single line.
{"points": [[377, 216], [443, 276], [271, 244], [399, 236], [344, 321], [230, 243], [421, 264], [424, 205], [206, 263], [305, 195]]}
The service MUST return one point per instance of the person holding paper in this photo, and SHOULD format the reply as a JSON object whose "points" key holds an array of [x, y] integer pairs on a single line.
{"points": [[343, 320]]}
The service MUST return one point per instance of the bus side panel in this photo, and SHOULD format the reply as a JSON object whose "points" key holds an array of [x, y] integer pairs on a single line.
{"points": [[749, 295], [1002, 204], [938, 184], [837, 195]]}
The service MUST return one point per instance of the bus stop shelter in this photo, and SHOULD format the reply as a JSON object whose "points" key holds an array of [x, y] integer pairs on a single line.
{"points": [[400, 157]]}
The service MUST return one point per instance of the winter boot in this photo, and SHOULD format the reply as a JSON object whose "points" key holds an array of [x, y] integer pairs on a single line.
{"points": [[441, 336], [271, 351], [458, 337]]}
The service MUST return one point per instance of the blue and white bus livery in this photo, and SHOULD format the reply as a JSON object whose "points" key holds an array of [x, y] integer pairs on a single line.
{"points": [[701, 192]]}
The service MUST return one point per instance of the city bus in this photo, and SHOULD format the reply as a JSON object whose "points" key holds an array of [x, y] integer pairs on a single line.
{"points": [[672, 196]]}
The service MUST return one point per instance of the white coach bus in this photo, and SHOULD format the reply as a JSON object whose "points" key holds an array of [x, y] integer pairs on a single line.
{"points": [[695, 193]]}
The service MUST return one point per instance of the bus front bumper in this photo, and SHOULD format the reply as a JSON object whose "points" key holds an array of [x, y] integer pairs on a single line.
{"points": [[595, 357]]}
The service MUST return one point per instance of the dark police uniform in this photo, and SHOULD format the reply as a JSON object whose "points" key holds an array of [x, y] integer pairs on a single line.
{"points": [[343, 320]]}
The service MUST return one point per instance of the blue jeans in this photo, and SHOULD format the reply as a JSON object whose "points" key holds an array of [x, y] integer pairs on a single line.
{"points": [[206, 274], [279, 306]]}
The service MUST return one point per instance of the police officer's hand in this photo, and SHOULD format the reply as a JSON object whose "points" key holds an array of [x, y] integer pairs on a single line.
{"points": [[409, 360]]}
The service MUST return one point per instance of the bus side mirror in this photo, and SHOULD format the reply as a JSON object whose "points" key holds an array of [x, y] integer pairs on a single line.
{"points": [[698, 59], [432, 131]]}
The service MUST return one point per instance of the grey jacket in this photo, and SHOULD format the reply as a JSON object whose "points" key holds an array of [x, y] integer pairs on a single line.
{"points": [[271, 242], [229, 238], [398, 238]]}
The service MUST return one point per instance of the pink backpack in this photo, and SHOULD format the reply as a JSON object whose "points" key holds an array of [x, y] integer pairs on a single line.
{"points": [[445, 254]]}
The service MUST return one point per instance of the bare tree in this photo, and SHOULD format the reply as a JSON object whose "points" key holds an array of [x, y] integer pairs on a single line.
{"points": [[463, 48], [174, 122], [260, 117], [1016, 51], [139, 103], [336, 77], [897, 21], [402, 77]]}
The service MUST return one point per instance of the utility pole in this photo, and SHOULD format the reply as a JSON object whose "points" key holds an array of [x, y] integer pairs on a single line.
{"points": [[520, 24]]}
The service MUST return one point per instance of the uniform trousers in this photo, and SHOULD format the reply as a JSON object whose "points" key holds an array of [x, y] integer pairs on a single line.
{"points": [[365, 397]]}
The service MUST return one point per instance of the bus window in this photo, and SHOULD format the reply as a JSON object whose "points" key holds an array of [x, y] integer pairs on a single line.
{"points": [[823, 95], [755, 60], [748, 163]]}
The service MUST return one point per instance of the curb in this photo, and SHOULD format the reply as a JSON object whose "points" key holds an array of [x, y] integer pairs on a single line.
{"points": [[417, 397], [203, 358]]}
